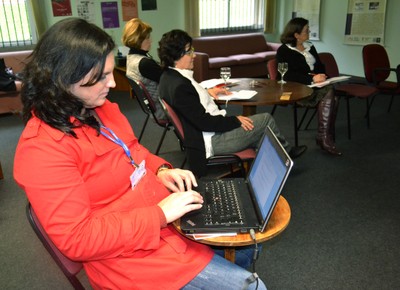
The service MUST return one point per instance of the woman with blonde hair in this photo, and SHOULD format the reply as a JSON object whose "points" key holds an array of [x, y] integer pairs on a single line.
{"points": [[140, 66]]}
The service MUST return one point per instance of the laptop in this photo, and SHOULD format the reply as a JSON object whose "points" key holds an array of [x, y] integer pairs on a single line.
{"points": [[254, 198]]}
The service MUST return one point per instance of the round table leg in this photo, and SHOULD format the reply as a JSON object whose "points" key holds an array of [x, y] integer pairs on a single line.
{"points": [[230, 254], [249, 110]]}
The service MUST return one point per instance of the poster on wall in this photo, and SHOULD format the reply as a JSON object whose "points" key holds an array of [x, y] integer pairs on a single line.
{"points": [[149, 5], [308, 9], [129, 9], [61, 7], [365, 22], [86, 10], [109, 13]]}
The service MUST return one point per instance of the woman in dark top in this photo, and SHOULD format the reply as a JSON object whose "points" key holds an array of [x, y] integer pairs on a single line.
{"points": [[140, 66], [305, 67]]}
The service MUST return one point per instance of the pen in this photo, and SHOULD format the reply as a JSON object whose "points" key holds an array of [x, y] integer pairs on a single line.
{"points": [[311, 74]]}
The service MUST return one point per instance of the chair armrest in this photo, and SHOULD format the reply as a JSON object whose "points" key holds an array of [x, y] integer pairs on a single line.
{"points": [[273, 45], [383, 70]]}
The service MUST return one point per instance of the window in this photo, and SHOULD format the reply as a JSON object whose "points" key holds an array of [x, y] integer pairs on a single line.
{"points": [[231, 16], [17, 27]]}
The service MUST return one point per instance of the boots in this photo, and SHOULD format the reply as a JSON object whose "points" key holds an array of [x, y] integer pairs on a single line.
{"points": [[326, 124], [332, 130]]}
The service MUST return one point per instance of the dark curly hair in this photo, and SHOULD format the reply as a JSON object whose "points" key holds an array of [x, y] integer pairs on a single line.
{"points": [[172, 47], [295, 25], [64, 55]]}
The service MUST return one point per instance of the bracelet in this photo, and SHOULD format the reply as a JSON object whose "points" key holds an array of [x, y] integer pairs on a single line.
{"points": [[163, 167]]}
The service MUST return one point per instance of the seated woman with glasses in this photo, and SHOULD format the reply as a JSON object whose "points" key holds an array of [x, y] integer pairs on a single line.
{"points": [[140, 65], [304, 66], [207, 129]]}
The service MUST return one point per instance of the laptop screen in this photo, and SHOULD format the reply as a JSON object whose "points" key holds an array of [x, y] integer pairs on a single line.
{"points": [[268, 173]]}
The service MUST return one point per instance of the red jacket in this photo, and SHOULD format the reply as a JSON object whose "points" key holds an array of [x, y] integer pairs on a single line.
{"points": [[80, 190]]}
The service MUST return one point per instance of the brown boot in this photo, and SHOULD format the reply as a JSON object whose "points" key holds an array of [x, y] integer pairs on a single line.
{"points": [[326, 120], [332, 130]]}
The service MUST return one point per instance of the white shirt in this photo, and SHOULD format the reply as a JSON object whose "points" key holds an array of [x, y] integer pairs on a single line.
{"points": [[310, 59], [209, 106]]}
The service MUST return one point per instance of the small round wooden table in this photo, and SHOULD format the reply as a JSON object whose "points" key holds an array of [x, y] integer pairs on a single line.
{"points": [[269, 93], [278, 222]]}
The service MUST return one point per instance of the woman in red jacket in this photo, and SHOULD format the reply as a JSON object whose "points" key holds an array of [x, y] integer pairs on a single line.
{"points": [[104, 199]]}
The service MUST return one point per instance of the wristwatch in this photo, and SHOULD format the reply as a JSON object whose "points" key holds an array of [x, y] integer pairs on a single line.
{"points": [[163, 167]]}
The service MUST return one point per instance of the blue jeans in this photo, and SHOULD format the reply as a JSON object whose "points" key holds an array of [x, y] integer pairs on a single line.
{"points": [[221, 274], [243, 255]]}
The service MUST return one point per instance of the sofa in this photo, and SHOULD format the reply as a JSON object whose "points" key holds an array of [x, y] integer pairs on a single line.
{"points": [[10, 102], [246, 54]]}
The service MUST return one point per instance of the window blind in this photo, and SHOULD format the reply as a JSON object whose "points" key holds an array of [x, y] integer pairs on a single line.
{"points": [[231, 16], [14, 23]]}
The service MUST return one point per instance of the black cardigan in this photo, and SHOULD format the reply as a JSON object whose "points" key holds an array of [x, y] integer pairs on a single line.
{"points": [[299, 71], [181, 95]]}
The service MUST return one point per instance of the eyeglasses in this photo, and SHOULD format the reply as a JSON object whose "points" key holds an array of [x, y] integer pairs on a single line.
{"points": [[190, 51]]}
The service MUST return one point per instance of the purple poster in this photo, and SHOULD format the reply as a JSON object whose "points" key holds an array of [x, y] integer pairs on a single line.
{"points": [[109, 12]]}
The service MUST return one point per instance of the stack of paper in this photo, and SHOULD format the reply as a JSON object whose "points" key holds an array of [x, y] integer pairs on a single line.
{"points": [[216, 82], [238, 95], [330, 81], [211, 235]]}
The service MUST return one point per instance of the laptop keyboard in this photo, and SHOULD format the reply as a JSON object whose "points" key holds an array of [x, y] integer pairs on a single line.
{"points": [[221, 203]]}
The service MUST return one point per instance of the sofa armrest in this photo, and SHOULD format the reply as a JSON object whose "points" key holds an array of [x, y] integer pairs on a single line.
{"points": [[273, 45], [201, 66]]}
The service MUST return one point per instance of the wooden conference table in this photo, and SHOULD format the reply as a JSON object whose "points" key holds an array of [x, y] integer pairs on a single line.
{"points": [[269, 93], [278, 222]]}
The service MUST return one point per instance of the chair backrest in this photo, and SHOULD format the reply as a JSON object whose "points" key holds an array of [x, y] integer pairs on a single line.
{"points": [[272, 67], [68, 267], [146, 101], [375, 56], [138, 93], [176, 122], [331, 67]]}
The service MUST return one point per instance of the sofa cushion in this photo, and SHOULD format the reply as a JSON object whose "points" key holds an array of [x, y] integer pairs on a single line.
{"points": [[266, 55]]}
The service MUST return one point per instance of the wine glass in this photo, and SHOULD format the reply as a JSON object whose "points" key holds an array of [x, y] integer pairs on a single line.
{"points": [[225, 73], [282, 69]]}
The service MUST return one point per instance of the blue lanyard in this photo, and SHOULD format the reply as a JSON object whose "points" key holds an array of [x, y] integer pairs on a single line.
{"points": [[114, 138]]}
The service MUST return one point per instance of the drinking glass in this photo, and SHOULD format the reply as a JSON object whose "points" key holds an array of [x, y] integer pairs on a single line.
{"points": [[282, 69], [225, 73]]}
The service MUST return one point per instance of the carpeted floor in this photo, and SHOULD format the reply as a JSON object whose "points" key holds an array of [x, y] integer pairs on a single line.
{"points": [[344, 230]]}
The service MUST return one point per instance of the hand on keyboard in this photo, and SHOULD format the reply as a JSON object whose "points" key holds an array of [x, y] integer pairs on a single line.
{"points": [[177, 179], [179, 203]]}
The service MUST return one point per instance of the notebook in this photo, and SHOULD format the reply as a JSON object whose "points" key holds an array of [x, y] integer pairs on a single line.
{"points": [[256, 195]]}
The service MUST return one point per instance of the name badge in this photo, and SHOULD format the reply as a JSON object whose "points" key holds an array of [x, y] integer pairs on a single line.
{"points": [[138, 174]]}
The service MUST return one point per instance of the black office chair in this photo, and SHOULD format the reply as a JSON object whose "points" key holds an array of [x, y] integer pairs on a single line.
{"points": [[68, 267]]}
